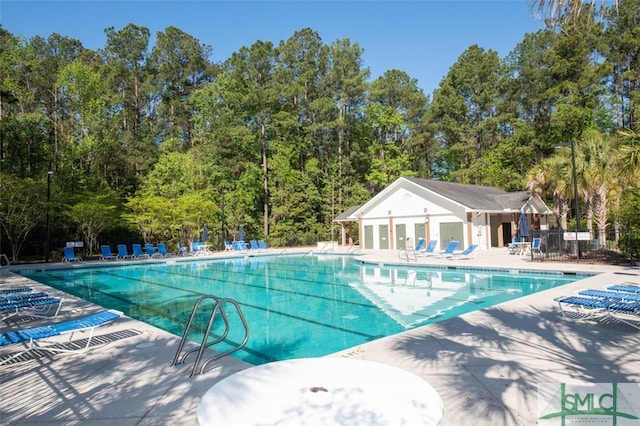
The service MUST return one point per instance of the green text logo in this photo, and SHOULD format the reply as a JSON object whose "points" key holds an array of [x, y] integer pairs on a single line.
{"points": [[601, 403]]}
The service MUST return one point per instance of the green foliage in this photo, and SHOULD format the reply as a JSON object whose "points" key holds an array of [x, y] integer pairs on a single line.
{"points": [[20, 209], [171, 220], [281, 139], [629, 242], [92, 214]]}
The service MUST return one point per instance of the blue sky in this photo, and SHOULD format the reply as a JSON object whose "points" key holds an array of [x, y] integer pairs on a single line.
{"points": [[424, 38]]}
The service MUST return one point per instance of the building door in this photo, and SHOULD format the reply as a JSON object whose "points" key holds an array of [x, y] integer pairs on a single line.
{"points": [[383, 237], [368, 236], [419, 231], [451, 231], [401, 235], [507, 235]]}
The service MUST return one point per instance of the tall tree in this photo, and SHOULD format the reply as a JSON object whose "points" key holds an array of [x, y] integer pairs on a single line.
{"points": [[181, 64], [254, 68], [130, 145], [347, 81], [302, 64], [622, 49], [558, 8], [400, 106], [464, 112], [20, 210]]}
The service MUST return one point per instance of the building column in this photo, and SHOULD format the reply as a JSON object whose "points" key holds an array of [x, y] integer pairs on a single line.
{"points": [[469, 229], [391, 234]]}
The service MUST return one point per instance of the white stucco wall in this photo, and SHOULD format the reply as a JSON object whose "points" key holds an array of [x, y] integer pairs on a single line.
{"points": [[405, 203], [408, 208]]}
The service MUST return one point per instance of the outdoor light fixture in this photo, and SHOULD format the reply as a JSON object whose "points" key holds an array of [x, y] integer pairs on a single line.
{"points": [[575, 190], [46, 246]]}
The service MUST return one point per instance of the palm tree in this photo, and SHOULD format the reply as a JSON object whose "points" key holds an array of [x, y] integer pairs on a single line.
{"points": [[595, 161], [629, 154], [556, 8], [551, 178]]}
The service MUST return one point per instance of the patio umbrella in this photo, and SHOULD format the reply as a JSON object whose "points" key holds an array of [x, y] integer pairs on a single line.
{"points": [[205, 233], [523, 226], [241, 234]]}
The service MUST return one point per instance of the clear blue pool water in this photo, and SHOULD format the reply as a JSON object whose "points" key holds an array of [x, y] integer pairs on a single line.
{"points": [[296, 306]]}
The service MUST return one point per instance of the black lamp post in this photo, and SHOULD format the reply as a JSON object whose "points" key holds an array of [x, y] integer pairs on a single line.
{"points": [[46, 246], [575, 192], [222, 224], [575, 195]]}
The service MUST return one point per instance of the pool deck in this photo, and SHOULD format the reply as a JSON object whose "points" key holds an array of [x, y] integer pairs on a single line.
{"points": [[485, 365]]}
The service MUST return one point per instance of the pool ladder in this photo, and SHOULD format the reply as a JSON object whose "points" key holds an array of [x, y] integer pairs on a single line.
{"points": [[181, 357], [408, 254]]}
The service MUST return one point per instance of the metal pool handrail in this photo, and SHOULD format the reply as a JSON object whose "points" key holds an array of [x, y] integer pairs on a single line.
{"points": [[180, 357]]}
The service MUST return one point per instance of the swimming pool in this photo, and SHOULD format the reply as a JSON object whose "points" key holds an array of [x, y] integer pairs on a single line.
{"points": [[296, 305]]}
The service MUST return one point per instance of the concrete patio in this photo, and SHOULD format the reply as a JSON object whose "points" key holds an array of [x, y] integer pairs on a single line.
{"points": [[485, 365]]}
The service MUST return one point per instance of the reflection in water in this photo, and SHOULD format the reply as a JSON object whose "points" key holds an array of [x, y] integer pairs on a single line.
{"points": [[296, 306]]}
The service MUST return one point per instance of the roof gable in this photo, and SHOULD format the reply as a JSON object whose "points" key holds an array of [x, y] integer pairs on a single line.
{"points": [[474, 197], [471, 197]]}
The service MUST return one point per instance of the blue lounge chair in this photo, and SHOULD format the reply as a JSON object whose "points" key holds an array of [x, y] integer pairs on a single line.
{"points": [[611, 295], [138, 253], [69, 255], [625, 288], [34, 337], [512, 248], [162, 250], [32, 304], [199, 248], [228, 246], [15, 290], [450, 249], [123, 253], [239, 246], [196, 246], [420, 245], [468, 253], [535, 246], [14, 297], [182, 250], [429, 250], [593, 308], [106, 253], [151, 251], [253, 245], [262, 245]]}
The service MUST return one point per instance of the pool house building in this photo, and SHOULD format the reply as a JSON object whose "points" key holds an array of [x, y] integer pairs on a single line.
{"points": [[413, 208]]}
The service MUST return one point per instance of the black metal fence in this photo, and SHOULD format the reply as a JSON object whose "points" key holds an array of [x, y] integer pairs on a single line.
{"points": [[554, 247]]}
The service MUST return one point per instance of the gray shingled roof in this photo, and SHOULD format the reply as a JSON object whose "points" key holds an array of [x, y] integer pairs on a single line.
{"points": [[513, 200], [344, 216], [475, 197]]}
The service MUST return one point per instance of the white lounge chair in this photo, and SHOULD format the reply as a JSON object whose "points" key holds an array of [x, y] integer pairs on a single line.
{"points": [[38, 304], [468, 253], [585, 308], [34, 337], [429, 250], [450, 249]]}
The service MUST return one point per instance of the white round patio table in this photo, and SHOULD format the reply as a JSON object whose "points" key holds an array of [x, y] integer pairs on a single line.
{"points": [[321, 391]]}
